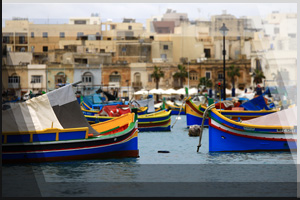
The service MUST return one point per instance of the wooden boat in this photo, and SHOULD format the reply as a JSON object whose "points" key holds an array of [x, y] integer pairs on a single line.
{"points": [[51, 127], [90, 112], [194, 113], [273, 132], [158, 121], [175, 109]]}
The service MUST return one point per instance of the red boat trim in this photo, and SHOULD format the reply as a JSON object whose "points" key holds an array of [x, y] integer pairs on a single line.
{"points": [[154, 124], [252, 137], [193, 108], [86, 147]]}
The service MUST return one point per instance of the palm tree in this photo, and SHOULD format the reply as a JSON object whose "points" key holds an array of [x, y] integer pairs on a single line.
{"points": [[205, 81], [157, 74], [258, 76], [182, 74], [232, 72]]}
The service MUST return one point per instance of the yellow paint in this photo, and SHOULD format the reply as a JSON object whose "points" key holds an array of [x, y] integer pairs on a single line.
{"points": [[5, 139], [214, 110], [110, 124], [142, 109], [162, 113], [47, 130], [91, 111]]}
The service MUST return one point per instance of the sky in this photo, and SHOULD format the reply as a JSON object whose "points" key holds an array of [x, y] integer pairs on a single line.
{"points": [[61, 12]]}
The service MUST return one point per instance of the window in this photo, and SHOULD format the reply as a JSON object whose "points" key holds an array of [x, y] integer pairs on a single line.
{"points": [[163, 56], [81, 60], [102, 50], [207, 75], [14, 79], [258, 64], [62, 34], [32, 34], [114, 77], [45, 48], [276, 30], [113, 27], [45, 35], [292, 35], [137, 77], [60, 78], [123, 49], [5, 39], [193, 76], [220, 75], [79, 34], [207, 53], [129, 27], [149, 78], [80, 22], [166, 47], [36, 79], [87, 77], [21, 40]]}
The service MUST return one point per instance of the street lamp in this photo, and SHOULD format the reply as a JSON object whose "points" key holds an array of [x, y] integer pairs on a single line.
{"points": [[224, 31]]}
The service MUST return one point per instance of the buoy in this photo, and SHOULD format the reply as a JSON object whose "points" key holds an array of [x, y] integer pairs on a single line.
{"points": [[163, 151]]}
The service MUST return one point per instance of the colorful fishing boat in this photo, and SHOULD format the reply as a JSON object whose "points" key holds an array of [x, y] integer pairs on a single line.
{"points": [[51, 127], [175, 109], [158, 121], [91, 112], [194, 113], [273, 132]]}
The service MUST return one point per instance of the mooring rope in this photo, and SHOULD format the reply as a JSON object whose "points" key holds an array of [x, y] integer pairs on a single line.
{"points": [[202, 124], [179, 112]]}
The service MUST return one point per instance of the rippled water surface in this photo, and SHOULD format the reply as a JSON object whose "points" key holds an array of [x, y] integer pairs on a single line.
{"points": [[181, 172]]}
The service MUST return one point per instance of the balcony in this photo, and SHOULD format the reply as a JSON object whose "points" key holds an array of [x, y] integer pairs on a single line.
{"points": [[13, 85], [137, 85]]}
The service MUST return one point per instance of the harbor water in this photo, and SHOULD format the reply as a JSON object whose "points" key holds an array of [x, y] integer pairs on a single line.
{"points": [[169, 166]]}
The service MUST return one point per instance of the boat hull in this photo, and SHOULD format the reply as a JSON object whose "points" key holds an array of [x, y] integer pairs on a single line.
{"points": [[227, 137], [148, 122], [195, 114], [64, 145], [124, 145]]}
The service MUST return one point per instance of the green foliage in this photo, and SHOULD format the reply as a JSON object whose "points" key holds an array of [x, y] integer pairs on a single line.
{"points": [[157, 75], [258, 76], [205, 81], [232, 72], [182, 74]]}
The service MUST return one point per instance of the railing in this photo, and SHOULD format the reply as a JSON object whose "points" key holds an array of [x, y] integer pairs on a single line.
{"points": [[137, 84], [13, 85]]}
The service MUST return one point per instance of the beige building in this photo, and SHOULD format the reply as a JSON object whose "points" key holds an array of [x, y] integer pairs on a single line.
{"points": [[126, 30], [15, 80]]}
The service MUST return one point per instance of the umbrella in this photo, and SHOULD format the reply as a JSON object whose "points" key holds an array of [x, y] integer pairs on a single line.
{"points": [[141, 92], [228, 91], [156, 91], [170, 91], [181, 91], [193, 91]]}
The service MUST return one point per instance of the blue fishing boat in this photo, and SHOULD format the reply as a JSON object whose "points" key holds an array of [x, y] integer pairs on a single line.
{"points": [[273, 132], [157, 121], [51, 127], [194, 113]]}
